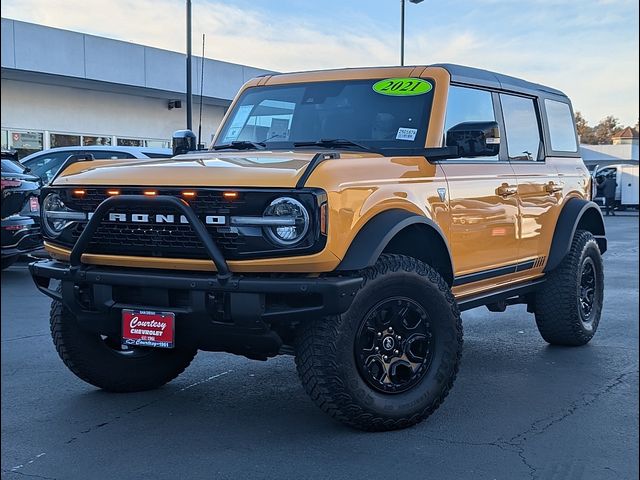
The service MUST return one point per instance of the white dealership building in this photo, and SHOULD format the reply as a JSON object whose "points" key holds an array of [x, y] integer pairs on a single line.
{"points": [[64, 88]]}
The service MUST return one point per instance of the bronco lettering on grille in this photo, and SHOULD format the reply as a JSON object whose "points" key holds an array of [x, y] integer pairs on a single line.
{"points": [[160, 218]]}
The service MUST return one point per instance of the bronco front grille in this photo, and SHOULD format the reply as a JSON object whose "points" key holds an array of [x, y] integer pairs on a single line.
{"points": [[178, 240], [163, 240]]}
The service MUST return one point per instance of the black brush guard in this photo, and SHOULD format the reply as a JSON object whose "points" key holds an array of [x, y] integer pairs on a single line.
{"points": [[219, 311]]}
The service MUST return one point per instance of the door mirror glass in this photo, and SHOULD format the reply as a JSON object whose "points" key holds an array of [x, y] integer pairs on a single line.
{"points": [[475, 139]]}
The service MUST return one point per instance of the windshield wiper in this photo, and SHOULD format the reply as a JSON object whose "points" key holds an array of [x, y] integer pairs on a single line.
{"points": [[333, 143], [241, 145]]}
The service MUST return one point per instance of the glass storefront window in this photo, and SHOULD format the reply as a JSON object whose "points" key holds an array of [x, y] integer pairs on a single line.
{"points": [[61, 140], [89, 140], [157, 143], [130, 142], [5, 139], [24, 143]]}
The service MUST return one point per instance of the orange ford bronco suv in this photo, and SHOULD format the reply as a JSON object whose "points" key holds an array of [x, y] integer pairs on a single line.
{"points": [[345, 217]]}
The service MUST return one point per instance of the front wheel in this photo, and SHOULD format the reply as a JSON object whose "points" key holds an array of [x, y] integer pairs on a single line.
{"points": [[391, 359], [104, 363], [569, 303]]}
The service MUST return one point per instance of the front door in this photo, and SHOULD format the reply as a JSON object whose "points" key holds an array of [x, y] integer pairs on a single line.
{"points": [[483, 205]]}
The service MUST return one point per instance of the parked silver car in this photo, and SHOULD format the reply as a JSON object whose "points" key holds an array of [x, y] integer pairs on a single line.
{"points": [[47, 163]]}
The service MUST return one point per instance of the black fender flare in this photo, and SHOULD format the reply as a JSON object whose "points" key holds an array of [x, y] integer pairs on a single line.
{"points": [[575, 212], [375, 235]]}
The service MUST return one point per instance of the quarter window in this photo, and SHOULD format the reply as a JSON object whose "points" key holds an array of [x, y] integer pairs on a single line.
{"points": [[469, 105], [561, 126], [521, 127]]}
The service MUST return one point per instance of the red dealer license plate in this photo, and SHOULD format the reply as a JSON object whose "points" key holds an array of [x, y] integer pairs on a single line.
{"points": [[143, 328]]}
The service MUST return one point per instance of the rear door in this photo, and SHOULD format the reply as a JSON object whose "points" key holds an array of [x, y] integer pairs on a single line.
{"points": [[540, 189]]}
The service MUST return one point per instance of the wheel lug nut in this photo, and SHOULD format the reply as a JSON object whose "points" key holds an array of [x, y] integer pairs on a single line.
{"points": [[398, 337], [385, 358], [390, 330], [376, 349], [396, 352], [379, 334]]}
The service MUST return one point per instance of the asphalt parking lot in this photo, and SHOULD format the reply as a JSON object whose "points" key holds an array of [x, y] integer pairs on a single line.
{"points": [[519, 409]]}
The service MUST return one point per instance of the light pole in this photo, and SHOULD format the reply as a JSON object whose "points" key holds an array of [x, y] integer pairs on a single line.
{"points": [[402, 28], [189, 96]]}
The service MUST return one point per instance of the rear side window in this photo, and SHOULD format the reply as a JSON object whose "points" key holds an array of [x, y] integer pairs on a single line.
{"points": [[157, 155], [521, 127], [469, 105], [561, 126], [11, 166]]}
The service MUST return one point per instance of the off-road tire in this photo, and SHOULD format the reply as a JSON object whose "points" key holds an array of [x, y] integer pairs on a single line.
{"points": [[89, 357], [556, 304], [327, 363]]}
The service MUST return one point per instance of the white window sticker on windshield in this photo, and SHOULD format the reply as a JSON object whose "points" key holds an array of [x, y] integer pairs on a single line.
{"points": [[237, 124], [406, 134]]}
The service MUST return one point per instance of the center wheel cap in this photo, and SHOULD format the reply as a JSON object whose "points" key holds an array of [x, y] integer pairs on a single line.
{"points": [[388, 343]]}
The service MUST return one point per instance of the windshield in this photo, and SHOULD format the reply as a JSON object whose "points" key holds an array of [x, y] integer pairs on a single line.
{"points": [[350, 111]]}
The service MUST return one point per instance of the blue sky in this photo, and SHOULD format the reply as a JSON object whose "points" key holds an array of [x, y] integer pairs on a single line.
{"points": [[588, 49]]}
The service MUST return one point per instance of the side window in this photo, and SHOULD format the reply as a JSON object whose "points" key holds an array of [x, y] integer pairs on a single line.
{"points": [[46, 166], [469, 105], [108, 154], [521, 125], [561, 127]]}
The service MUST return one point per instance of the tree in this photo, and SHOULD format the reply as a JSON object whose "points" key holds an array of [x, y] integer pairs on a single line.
{"points": [[606, 129], [581, 124], [585, 132]]}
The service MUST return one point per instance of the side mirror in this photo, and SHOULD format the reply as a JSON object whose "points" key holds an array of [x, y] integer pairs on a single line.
{"points": [[183, 141], [475, 139]]}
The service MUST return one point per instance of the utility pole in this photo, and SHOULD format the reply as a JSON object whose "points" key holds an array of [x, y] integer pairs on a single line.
{"points": [[189, 84], [402, 28], [401, 32]]}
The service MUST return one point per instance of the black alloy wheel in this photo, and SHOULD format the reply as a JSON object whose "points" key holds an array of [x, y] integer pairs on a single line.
{"points": [[588, 287], [393, 346]]}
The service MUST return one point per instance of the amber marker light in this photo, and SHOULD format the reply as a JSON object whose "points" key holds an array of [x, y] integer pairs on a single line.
{"points": [[150, 193], [79, 193], [113, 192], [230, 195], [324, 224], [189, 194]]}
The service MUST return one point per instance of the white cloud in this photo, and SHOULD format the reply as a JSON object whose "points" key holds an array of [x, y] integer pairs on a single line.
{"points": [[572, 53]]}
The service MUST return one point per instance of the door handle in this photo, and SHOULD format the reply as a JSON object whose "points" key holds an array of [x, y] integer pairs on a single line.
{"points": [[552, 187], [506, 190]]}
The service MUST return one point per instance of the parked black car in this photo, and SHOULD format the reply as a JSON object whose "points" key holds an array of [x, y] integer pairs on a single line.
{"points": [[20, 210]]}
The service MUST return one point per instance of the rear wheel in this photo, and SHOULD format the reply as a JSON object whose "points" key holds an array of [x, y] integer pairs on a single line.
{"points": [[569, 303], [391, 359], [104, 363]]}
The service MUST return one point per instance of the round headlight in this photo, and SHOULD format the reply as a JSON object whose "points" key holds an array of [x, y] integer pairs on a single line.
{"points": [[290, 221], [56, 216]]}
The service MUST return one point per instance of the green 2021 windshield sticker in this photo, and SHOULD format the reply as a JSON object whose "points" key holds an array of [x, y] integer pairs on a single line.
{"points": [[402, 87]]}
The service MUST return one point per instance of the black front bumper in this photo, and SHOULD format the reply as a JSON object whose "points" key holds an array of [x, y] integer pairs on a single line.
{"points": [[253, 315], [212, 312]]}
